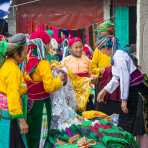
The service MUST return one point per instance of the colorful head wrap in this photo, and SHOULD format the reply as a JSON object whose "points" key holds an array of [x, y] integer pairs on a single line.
{"points": [[42, 35], [19, 39], [105, 42], [106, 26], [37, 47], [74, 40], [14, 42]]}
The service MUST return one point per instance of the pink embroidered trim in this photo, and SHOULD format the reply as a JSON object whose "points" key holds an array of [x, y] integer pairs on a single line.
{"points": [[3, 102]]}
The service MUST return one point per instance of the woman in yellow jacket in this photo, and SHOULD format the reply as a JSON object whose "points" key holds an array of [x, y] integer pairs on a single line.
{"points": [[100, 61], [41, 83], [101, 57], [11, 88]]}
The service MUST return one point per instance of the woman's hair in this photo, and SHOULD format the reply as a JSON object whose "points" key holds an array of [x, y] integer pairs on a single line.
{"points": [[18, 50]]}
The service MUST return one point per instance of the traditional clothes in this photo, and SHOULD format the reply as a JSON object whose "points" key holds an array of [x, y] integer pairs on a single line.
{"points": [[106, 26], [40, 83], [79, 73], [97, 134], [11, 88], [129, 78], [77, 65], [99, 62]]}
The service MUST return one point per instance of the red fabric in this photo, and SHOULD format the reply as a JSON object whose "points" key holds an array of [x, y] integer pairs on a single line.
{"points": [[74, 40], [85, 74], [61, 13], [95, 130], [42, 35], [107, 76], [36, 91], [31, 64], [97, 125]]}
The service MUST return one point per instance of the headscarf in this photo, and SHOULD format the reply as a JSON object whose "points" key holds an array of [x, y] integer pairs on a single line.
{"points": [[106, 26], [39, 39], [74, 40], [19, 39], [14, 42], [42, 35], [104, 42], [39, 46]]}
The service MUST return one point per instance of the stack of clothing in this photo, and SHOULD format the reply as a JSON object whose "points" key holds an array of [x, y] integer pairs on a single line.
{"points": [[95, 134]]}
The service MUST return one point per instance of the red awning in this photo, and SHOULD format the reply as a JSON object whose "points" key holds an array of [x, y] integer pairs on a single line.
{"points": [[70, 14]]}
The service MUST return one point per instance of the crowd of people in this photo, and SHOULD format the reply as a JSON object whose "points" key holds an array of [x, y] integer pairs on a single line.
{"points": [[78, 90]]}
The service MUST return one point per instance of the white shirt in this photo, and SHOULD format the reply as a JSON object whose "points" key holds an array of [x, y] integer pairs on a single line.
{"points": [[122, 67]]}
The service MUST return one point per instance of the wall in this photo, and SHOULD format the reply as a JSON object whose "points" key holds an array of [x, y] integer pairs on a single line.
{"points": [[12, 21], [107, 6], [142, 34]]}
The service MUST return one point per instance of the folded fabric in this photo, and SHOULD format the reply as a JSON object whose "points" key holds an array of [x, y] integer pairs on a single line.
{"points": [[110, 141], [93, 114]]}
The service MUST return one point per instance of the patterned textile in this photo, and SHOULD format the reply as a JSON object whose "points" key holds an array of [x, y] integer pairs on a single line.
{"points": [[98, 132], [82, 88], [63, 107], [3, 102]]}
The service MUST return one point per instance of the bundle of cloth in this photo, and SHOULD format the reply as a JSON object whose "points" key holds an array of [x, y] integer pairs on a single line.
{"points": [[94, 134]]}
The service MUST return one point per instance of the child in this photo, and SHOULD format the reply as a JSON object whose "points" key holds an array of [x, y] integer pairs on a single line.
{"points": [[78, 66]]}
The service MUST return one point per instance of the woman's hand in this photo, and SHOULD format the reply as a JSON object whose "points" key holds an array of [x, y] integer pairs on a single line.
{"points": [[124, 106], [23, 126], [63, 77], [101, 96], [102, 71]]}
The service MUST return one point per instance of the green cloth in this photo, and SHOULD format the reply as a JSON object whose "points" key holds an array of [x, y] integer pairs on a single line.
{"points": [[105, 122], [86, 123], [110, 141], [114, 137], [35, 122], [102, 30], [50, 57], [103, 27], [106, 24], [3, 50], [50, 32], [119, 133], [25, 102], [3, 47]]}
